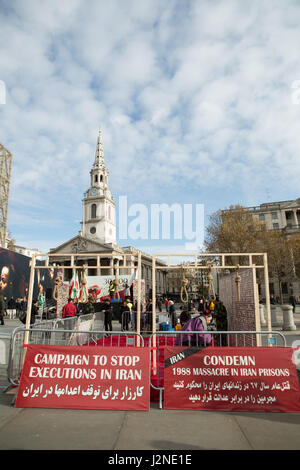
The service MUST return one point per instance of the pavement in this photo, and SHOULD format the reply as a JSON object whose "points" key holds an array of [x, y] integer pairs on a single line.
{"points": [[155, 431]]}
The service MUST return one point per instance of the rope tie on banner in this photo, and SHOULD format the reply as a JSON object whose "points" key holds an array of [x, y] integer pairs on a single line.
{"points": [[83, 297], [238, 283], [116, 284], [183, 290]]}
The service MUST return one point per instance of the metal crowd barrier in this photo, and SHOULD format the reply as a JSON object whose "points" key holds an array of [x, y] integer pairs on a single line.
{"points": [[58, 336], [160, 339]]}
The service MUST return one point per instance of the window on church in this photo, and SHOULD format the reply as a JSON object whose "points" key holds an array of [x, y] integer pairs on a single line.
{"points": [[96, 178], [94, 211], [101, 178]]}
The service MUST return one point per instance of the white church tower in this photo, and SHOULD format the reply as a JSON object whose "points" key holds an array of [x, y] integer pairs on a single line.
{"points": [[99, 213]]}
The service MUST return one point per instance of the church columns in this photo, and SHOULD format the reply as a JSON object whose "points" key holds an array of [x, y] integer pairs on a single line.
{"points": [[111, 263], [98, 263]]}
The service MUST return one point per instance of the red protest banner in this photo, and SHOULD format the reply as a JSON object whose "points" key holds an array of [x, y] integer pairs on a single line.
{"points": [[231, 379], [82, 377]]}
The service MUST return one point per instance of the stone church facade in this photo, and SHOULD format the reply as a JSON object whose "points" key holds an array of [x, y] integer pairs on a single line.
{"points": [[98, 235]]}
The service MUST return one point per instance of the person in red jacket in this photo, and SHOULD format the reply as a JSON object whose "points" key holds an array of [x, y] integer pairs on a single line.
{"points": [[68, 313]]}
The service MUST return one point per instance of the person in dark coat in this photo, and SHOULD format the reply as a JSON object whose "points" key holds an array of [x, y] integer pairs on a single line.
{"points": [[220, 314], [172, 313], [34, 311], [107, 309], [125, 316]]}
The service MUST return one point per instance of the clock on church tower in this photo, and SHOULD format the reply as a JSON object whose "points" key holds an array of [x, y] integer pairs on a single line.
{"points": [[99, 214]]}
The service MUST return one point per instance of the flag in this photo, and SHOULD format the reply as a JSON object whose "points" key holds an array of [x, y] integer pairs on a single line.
{"points": [[83, 293], [74, 286]]}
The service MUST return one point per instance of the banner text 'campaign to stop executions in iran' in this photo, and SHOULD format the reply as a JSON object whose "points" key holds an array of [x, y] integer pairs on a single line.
{"points": [[85, 377]]}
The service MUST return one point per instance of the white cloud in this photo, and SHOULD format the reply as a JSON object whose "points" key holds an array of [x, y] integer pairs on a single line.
{"points": [[186, 94]]}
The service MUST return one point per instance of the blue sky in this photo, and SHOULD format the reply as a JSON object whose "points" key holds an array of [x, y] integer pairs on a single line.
{"points": [[194, 99]]}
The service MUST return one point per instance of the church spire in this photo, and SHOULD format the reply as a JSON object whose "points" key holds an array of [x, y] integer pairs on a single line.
{"points": [[99, 157]]}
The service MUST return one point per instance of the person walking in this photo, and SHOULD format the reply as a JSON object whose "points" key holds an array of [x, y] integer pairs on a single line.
{"points": [[11, 308], [166, 304]]}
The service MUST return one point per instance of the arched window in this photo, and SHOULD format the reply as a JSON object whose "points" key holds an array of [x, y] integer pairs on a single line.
{"points": [[101, 178], [96, 178], [94, 211]]}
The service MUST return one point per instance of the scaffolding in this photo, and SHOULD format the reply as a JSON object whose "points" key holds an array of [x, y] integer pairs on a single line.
{"points": [[5, 174]]}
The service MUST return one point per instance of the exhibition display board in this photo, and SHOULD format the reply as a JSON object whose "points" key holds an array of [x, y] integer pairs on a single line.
{"points": [[83, 377], [231, 379]]}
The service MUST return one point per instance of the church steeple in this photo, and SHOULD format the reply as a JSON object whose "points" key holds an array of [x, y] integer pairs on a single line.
{"points": [[99, 172], [99, 221], [99, 158]]}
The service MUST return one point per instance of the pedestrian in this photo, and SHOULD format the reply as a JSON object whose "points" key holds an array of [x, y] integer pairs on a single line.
{"points": [[166, 304], [220, 314], [127, 289], [5, 306], [68, 314], [293, 302], [34, 311], [23, 304], [172, 313], [107, 309], [18, 306], [2, 309], [11, 308], [125, 316]]}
